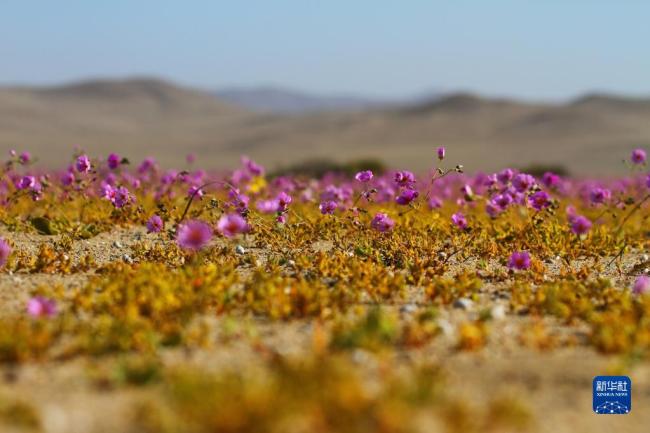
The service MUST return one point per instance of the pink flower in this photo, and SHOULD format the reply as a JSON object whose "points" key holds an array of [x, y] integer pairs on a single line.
{"points": [[404, 178], [641, 285], [382, 223], [267, 206], [155, 224], [550, 180], [364, 176], [40, 306], [467, 192], [647, 181], [24, 157], [148, 164], [539, 200], [252, 167], [327, 207], [459, 220], [435, 203], [407, 196], [231, 225], [579, 224], [195, 191], [638, 156], [519, 260], [599, 195], [523, 182], [283, 199], [193, 235], [113, 161], [26, 182], [441, 153], [5, 252], [502, 201], [83, 164], [505, 175], [67, 178]]}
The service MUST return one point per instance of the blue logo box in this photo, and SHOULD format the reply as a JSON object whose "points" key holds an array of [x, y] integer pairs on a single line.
{"points": [[612, 395]]}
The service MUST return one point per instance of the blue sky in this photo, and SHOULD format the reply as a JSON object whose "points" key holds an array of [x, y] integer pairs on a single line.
{"points": [[546, 49]]}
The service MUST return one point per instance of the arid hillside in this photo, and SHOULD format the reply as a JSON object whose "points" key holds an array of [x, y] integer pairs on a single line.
{"points": [[141, 117]]}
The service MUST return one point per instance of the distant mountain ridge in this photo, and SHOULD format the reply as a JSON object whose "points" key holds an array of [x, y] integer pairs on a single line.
{"points": [[150, 117], [279, 100]]}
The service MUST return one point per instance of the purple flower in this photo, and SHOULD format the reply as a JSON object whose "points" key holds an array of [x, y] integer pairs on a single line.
{"points": [[146, 165], [599, 195], [119, 197], [539, 200], [467, 192], [195, 191], [404, 178], [492, 209], [27, 182], [407, 196], [193, 235], [5, 252], [40, 306], [550, 180], [231, 225], [122, 197], [382, 223], [579, 224], [647, 181], [435, 203], [638, 156], [24, 158], [441, 153], [281, 219], [459, 220], [523, 182], [67, 178], [641, 285], [83, 164], [238, 200], [113, 161], [252, 167], [502, 200], [155, 224], [267, 206], [505, 175], [327, 207], [364, 176], [283, 199], [519, 260]]}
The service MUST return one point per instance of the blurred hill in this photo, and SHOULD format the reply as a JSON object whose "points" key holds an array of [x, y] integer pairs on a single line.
{"points": [[278, 100], [141, 117]]}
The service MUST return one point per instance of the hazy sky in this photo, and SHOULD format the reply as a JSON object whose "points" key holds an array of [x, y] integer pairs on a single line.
{"points": [[535, 49]]}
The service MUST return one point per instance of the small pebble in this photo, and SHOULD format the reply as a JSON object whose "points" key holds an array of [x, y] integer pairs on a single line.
{"points": [[446, 327], [117, 244], [498, 312], [408, 308], [127, 258], [240, 250], [463, 303]]}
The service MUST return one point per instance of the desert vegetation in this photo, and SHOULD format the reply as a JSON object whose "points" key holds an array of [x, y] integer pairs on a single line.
{"points": [[199, 301]]}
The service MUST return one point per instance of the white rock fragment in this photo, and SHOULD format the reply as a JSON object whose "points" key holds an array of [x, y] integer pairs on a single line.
{"points": [[498, 312], [240, 250], [463, 304]]}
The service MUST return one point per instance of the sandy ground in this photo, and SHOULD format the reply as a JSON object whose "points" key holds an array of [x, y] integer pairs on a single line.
{"points": [[554, 384]]}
